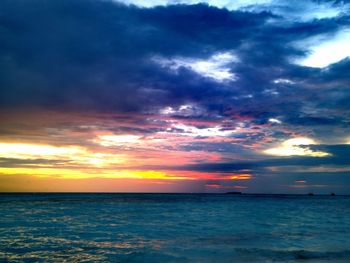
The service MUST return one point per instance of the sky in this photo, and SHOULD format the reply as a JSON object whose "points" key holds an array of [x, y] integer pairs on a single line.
{"points": [[175, 96]]}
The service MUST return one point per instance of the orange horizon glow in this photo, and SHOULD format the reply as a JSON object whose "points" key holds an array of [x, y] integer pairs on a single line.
{"points": [[76, 163], [89, 151]]}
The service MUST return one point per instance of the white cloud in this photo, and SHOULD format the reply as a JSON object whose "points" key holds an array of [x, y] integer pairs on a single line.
{"points": [[283, 81], [205, 132], [325, 50], [215, 67], [272, 120], [185, 110]]}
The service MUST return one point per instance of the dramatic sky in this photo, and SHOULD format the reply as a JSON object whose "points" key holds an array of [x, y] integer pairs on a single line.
{"points": [[175, 96]]}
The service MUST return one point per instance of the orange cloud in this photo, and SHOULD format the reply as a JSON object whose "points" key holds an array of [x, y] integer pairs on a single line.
{"points": [[241, 177]]}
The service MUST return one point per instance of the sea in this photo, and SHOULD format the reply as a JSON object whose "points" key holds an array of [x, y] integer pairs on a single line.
{"points": [[65, 227]]}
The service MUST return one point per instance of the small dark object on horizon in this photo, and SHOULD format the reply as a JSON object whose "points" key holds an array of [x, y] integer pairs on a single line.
{"points": [[311, 194], [234, 193], [332, 194]]}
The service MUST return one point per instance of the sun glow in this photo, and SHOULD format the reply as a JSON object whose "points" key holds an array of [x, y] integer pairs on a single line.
{"points": [[21, 150], [74, 163], [296, 147], [74, 155]]}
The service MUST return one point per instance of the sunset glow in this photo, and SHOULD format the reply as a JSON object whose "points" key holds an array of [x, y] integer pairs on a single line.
{"points": [[25, 151], [84, 174], [174, 96]]}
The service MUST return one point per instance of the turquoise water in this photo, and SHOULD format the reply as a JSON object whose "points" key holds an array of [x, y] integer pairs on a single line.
{"points": [[173, 228]]}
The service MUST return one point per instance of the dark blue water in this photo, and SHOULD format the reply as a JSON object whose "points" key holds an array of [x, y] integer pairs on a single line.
{"points": [[173, 228]]}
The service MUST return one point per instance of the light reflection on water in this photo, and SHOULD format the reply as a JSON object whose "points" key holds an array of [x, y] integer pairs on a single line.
{"points": [[173, 228]]}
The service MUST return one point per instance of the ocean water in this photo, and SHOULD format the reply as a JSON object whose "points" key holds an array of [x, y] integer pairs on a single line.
{"points": [[174, 228]]}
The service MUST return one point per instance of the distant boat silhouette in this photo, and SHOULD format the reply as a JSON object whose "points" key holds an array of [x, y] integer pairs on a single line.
{"points": [[310, 194], [332, 194]]}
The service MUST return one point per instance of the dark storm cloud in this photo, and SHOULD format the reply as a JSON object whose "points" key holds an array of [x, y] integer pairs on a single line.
{"points": [[313, 121], [216, 147], [97, 55], [339, 156]]}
